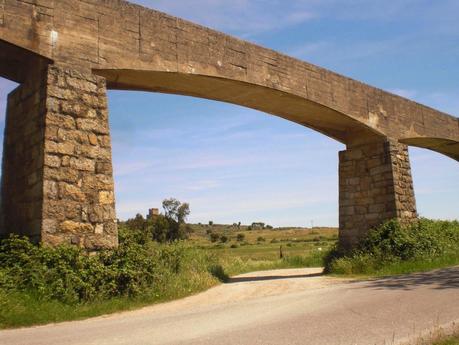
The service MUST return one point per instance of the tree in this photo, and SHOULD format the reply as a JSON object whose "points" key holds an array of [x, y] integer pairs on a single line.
{"points": [[160, 229], [211, 223], [175, 210], [171, 226], [137, 223]]}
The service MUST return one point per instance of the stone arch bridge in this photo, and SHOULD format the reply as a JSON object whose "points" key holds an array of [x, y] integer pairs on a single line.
{"points": [[57, 183]]}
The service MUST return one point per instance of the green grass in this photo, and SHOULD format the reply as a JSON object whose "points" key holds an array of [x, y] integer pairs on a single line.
{"points": [[237, 265], [418, 265], [20, 309], [454, 340]]}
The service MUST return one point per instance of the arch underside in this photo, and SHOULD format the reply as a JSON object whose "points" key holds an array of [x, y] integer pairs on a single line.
{"points": [[269, 100], [447, 147]]}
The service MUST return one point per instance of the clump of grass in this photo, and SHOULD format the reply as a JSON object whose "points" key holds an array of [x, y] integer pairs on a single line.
{"points": [[237, 265], [393, 248], [454, 340]]}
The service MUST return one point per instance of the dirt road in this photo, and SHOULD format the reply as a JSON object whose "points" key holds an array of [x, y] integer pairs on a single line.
{"points": [[274, 307]]}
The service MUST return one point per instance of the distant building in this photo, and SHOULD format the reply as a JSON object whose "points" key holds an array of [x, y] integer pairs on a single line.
{"points": [[258, 225], [152, 213]]}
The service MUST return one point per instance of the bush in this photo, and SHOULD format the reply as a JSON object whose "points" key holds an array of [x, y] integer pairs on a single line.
{"points": [[70, 275], [240, 237], [223, 239], [214, 237], [393, 243], [261, 239]]}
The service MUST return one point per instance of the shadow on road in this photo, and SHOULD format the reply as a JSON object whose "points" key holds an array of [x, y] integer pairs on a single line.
{"points": [[441, 279], [272, 277]]}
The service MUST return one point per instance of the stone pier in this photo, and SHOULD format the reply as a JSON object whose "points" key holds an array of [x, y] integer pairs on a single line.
{"points": [[57, 164], [375, 185]]}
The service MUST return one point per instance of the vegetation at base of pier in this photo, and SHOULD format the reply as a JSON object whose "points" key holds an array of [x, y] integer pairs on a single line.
{"points": [[42, 284], [393, 248]]}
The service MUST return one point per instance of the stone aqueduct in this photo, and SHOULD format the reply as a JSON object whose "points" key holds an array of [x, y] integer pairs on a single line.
{"points": [[57, 183]]}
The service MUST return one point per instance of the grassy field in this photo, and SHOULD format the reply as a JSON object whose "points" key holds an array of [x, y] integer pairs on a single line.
{"points": [[261, 249]]}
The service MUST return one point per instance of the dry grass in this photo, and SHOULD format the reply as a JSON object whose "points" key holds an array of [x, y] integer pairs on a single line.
{"points": [[440, 335]]}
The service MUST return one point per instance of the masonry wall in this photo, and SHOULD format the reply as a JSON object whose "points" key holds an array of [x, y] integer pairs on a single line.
{"points": [[375, 185], [65, 186], [22, 176]]}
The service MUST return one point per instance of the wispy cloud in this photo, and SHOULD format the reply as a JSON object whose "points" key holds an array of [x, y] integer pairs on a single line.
{"points": [[336, 51], [404, 92], [243, 17], [444, 100], [250, 17]]}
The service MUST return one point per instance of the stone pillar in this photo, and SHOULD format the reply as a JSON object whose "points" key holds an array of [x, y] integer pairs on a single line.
{"points": [[375, 185], [57, 182]]}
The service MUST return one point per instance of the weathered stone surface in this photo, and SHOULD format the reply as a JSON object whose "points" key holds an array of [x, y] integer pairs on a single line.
{"points": [[54, 194], [375, 185]]}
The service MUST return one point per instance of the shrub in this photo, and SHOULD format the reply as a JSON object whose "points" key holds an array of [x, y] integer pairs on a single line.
{"points": [[392, 243], [214, 237], [70, 275], [240, 237], [261, 239], [223, 239]]}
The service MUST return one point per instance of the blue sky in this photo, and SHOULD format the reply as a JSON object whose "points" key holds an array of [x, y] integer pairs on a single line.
{"points": [[236, 164]]}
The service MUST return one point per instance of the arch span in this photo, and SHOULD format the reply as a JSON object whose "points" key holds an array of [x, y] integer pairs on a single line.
{"points": [[447, 147], [289, 106]]}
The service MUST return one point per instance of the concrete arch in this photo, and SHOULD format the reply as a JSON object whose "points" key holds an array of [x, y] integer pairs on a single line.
{"points": [[286, 105], [447, 147]]}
